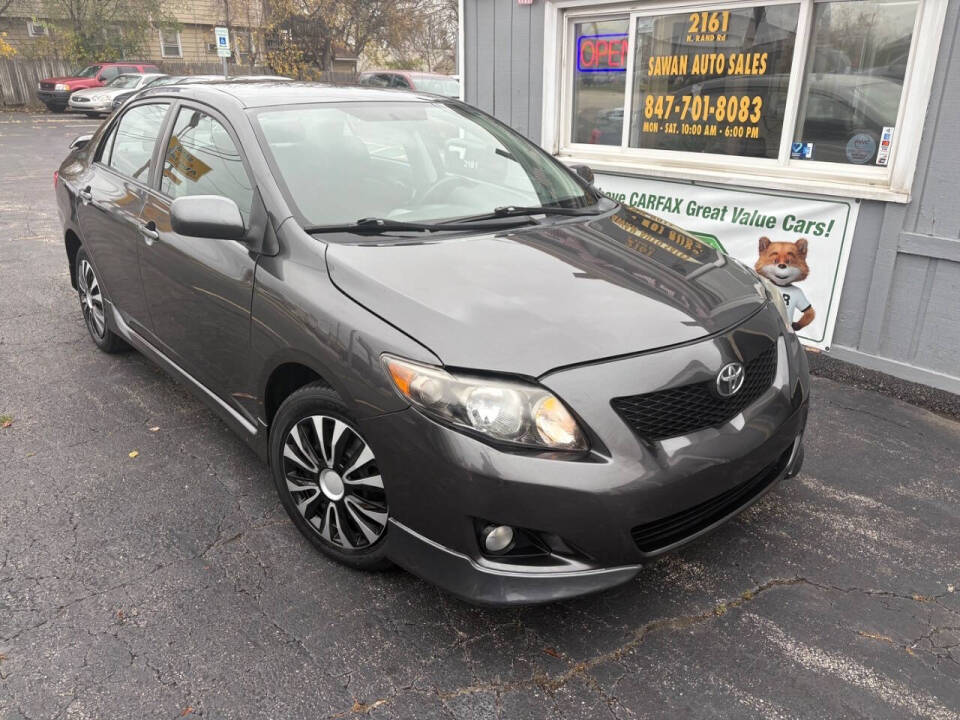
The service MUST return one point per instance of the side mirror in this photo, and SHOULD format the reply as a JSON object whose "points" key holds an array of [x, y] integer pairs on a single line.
{"points": [[207, 216], [80, 141], [584, 172]]}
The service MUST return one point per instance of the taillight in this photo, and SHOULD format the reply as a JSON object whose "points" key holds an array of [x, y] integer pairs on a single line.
{"points": [[56, 178]]}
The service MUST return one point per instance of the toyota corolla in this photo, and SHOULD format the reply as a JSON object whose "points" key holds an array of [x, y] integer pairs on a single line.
{"points": [[454, 353]]}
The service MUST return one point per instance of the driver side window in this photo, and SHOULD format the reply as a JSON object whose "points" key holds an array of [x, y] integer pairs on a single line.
{"points": [[202, 159]]}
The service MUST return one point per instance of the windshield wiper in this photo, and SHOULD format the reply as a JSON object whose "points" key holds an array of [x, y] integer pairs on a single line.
{"points": [[377, 226], [508, 211]]}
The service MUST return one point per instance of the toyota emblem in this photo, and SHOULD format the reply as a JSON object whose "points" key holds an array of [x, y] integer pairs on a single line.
{"points": [[730, 379]]}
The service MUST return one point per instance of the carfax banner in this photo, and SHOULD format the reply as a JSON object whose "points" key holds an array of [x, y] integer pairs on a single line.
{"points": [[801, 243]]}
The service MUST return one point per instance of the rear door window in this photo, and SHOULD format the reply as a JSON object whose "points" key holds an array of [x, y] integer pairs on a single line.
{"points": [[135, 139], [109, 73]]}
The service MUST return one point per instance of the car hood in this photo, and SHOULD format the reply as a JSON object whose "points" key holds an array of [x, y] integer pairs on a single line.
{"points": [[536, 298], [102, 91], [85, 82]]}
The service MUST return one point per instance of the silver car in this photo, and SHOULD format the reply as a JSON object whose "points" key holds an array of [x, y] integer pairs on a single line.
{"points": [[99, 100]]}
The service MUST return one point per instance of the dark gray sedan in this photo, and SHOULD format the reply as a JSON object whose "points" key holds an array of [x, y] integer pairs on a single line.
{"points": [[454, 353]]}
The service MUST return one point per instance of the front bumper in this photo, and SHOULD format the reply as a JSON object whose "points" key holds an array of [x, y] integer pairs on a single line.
{"points": [[54, 98], [443, 484], [99, 106]]}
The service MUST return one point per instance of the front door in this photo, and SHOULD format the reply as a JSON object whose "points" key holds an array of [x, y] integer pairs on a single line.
{"points": [[199, 290], [110, 200]]}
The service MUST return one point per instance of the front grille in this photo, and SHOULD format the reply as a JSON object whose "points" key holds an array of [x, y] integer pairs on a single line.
{"points": [[684, 409], [81, 99], [674, 528], [47, 86]]}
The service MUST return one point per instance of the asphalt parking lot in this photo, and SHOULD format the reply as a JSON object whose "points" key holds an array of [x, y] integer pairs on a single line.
{"points": [[171, 584]]}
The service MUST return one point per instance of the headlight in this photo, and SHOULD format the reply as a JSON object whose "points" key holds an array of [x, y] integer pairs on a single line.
{"points": [[504, 410], [61, 86], [776, 297]]}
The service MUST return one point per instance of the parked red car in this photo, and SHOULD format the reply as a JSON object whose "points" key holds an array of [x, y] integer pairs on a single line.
{"points": [[55, 92]]}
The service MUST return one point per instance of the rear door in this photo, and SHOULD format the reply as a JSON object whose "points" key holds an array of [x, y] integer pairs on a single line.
{"points": [[110, 200], [199, 290]]}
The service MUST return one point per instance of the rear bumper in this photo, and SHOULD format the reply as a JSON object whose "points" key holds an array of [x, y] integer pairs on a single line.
{"points": [[614, 509]]}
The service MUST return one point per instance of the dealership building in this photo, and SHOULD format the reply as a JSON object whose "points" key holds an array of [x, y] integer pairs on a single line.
{"points": [[818, 140]]}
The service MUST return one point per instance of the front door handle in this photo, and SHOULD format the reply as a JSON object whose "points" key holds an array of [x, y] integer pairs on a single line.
{"points": [[85, 195], [149, 232]]}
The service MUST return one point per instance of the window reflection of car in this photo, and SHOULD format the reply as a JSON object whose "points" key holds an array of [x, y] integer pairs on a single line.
{"points": [[434, 83]]}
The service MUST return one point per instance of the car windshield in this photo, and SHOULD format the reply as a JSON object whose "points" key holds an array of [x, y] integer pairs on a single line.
{"points": [[408, 161], [89, 71], [124, 81], [437, 85]]}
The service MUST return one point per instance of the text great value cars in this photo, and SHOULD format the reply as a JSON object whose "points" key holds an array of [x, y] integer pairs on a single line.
{"points": [[454, 353]]}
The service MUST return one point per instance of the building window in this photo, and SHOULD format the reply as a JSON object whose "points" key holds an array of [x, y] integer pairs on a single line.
{"points": [[170, 44], [815, 92], [37, 28]]}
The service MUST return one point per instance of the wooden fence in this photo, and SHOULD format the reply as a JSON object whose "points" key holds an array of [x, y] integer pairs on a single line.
{"points": [[19, 78]]}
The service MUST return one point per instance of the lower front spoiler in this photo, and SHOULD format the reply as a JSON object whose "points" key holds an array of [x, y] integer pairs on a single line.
{"points": [[462, 576], [465, 578]]}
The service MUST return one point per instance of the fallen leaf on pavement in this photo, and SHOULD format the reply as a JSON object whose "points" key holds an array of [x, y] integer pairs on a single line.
{"points": [[186, 711], [134, 453], [154, 428], [551, 652]]}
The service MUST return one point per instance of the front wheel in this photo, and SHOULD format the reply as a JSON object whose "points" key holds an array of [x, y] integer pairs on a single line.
{"points": [[93, 307], [328, 478]]}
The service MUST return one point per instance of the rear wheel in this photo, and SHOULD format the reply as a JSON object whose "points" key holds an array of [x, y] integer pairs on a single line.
{"points": [[93, 306], [328, 479]]}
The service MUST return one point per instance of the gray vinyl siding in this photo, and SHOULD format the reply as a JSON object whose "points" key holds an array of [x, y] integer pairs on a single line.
{"points": [[900, 306], [503, 61]]}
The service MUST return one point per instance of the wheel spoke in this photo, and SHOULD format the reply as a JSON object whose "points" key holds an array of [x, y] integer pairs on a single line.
{"points": [[365, 456], [371, 534], [303, 504], [98, 319], [341, 529], [329, 451], [304, 459], [374, 481], [378, 517]]}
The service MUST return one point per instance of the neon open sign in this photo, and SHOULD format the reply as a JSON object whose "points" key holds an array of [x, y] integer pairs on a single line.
{"points": [[602, 53]]}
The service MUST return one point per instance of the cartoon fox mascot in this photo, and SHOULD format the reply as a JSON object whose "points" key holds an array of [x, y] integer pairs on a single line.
{"points": [[785, 263]]}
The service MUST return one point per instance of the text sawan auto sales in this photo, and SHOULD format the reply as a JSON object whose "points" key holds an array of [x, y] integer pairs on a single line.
{"points": [[735, 215]]}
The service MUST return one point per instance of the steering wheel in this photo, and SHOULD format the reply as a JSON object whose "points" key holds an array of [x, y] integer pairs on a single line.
{"points": [[446, 183]]}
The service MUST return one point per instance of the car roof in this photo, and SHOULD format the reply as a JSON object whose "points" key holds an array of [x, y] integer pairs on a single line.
{"points": [[267, 93]]}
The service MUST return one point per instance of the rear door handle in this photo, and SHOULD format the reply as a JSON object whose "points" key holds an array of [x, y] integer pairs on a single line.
{"points": [[149, 232]]}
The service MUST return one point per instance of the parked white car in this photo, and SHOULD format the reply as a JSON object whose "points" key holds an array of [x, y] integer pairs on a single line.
{"points": [[99, 100]]}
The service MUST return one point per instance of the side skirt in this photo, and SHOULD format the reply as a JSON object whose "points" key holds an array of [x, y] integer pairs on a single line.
{"points": [[252, 434]]}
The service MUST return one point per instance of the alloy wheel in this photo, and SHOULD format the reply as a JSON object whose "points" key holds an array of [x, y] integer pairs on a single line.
{"points": [[333, 478], [91, 299]]}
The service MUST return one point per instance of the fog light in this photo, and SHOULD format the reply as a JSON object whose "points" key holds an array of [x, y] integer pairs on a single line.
{"points": [[497, 538]]}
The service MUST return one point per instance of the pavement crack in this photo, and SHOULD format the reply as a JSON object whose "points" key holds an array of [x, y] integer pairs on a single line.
{"points": [[579, 670]]}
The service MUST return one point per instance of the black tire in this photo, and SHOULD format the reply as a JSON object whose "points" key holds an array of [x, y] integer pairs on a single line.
{"points": [[92, 115], [57, 108], [94, 313], [300, 409]]}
